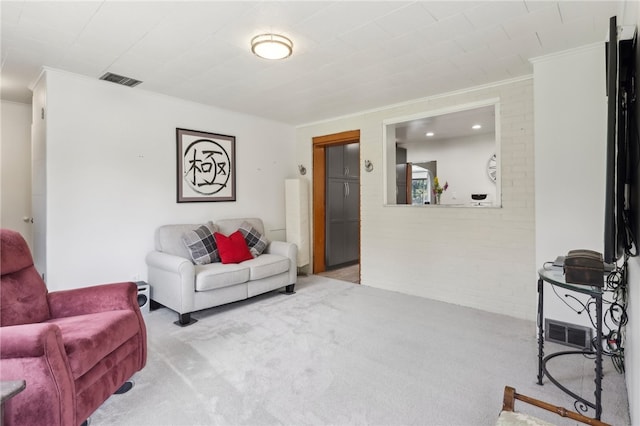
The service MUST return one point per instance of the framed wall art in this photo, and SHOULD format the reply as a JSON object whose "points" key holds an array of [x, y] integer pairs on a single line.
{"points": [[206, 166]]}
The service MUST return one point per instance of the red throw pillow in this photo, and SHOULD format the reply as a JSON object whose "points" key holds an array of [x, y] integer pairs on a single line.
{"points": [[232, 249]]}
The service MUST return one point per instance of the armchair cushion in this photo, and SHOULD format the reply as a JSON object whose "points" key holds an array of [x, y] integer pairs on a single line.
{"points": [[90, 338], [23, 299], [15, 253]]}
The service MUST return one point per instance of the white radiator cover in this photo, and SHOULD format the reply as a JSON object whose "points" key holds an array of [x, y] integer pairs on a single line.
{"points": [[297, 217]]}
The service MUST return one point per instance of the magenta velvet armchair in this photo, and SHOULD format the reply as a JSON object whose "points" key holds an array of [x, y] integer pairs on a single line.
{"points": [[73, 348]]}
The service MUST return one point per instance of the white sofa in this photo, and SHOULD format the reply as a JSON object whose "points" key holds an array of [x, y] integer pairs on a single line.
{"points": [[179, 284]]}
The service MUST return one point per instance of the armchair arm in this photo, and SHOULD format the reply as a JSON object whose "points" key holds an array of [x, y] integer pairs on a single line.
{"points": [[89, 300], [28, 340], [35, 353], [289, 250], [172, 280]]}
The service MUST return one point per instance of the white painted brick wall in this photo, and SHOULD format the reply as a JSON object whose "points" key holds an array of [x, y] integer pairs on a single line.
{"points": [[482, 258]]}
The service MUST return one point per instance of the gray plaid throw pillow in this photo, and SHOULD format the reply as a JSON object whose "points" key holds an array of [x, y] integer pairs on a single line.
{"points": [[201, 245], [255, 240]]}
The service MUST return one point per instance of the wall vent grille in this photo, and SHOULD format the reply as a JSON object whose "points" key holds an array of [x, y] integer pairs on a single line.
{"points": [[573, 335], [119, 79]]}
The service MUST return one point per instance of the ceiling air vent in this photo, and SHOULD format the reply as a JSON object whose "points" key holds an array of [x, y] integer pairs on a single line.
{"points": [[119, 79]]}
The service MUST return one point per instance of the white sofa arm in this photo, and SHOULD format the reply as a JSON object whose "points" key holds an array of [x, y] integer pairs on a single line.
{"points": [[169, 262], [172, 281], [289, 250]]}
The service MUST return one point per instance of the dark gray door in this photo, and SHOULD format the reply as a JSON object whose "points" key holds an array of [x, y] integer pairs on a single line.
{"points": [[343, 204], [401, 176]]}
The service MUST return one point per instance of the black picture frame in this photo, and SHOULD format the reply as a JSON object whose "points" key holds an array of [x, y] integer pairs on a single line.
{"points": [[206, 166]]}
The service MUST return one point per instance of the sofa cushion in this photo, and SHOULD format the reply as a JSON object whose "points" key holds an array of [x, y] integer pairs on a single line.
{"points": [[254, 238], [89, 338], [266, 265], [219, 275], [168, 238], [202, 245], [232, 249]]}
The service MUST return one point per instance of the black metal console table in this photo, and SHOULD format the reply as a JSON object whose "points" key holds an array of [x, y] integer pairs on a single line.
{"points": [[555, 277]]}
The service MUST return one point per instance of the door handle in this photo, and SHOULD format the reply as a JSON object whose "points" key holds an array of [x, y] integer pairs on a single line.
{"points": [[27, 219]]}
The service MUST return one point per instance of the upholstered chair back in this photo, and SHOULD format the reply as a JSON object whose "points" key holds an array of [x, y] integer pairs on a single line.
{"points": [[23, 293]]}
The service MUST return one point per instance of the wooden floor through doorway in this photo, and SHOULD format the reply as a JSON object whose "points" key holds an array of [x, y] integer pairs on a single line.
{"points": [[349, 273]]}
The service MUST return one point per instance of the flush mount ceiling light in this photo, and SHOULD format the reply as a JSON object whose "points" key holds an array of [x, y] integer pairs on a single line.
{"points": [[476, 127], [271, 46], [429, 134]]}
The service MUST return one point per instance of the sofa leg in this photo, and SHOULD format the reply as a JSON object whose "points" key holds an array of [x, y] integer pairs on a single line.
{"points": [[126, 387], [289, 289], [185, 320]]}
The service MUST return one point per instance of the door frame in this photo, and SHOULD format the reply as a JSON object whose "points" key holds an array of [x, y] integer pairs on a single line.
{"points": [[320, 144]]}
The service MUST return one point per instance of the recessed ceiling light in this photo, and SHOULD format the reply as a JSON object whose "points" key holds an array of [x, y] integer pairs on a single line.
{"points": [[271, 46], [476, 127], [429, 134]]}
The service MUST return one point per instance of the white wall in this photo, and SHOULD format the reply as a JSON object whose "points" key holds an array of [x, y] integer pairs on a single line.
{"points": [[484, 258], [39, 174], [462, 162], [111, 175], [571, 126], [578, 139], [631, 16], [15, 157], [632, 346]]}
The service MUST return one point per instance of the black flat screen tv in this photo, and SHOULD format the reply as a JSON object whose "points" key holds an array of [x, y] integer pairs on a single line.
{"points": [[620, 207]]}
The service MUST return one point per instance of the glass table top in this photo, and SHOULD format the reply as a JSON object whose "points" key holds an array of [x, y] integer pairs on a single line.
{"points": [[555, 275]]}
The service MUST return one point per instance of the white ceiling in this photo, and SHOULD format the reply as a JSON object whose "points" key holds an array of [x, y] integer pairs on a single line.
{"points": [[348, 56], [452, 125]]}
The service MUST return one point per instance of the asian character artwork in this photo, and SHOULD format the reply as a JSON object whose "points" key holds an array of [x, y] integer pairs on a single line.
{"points": [[206, 166]]}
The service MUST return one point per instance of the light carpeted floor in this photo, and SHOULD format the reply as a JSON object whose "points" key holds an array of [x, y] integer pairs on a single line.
{"points": [[336, 353]]}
